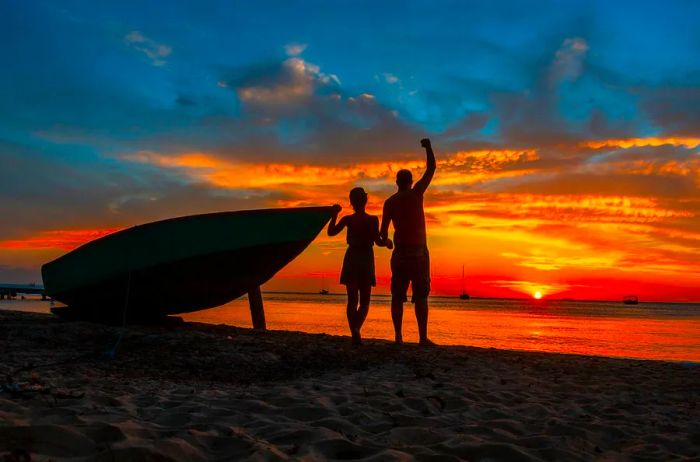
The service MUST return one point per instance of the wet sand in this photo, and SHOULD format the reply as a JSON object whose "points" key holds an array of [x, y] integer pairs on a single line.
{"points": [[205, 392]]}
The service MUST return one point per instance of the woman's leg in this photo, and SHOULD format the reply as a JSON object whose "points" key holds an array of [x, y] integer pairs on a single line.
{"points": [[352, 307], [365, 293]]}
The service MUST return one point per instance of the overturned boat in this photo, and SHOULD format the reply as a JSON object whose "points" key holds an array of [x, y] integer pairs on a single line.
{"points": [[180, 265]]}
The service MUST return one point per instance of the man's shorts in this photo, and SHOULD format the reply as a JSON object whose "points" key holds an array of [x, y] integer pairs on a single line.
{"points": [[410, 265]]}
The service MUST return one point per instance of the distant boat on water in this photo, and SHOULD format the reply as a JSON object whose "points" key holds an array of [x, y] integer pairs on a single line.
{"points": [[630, 300], [323, 290], [463, 295]]}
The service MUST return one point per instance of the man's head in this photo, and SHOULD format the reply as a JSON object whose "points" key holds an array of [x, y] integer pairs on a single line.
{"points": [[404, 179], [358, 198]]}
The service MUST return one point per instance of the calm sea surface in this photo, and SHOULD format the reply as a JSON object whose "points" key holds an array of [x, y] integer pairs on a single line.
{"points": [[646, 331]]}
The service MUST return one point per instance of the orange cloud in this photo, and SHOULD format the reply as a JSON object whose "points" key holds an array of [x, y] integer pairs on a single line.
{"points": [[558, 207], [688, 142], [464, 167], [56, 239], [551, 261]]}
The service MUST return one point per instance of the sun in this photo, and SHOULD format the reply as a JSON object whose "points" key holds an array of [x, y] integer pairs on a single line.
{"points": [[538, 295]]}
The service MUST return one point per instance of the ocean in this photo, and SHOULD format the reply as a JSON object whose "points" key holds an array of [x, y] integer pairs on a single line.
{"points": [[663, 331]]}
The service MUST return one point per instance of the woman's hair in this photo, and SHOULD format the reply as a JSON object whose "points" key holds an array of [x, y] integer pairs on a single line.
{"points": [[358, 198]]}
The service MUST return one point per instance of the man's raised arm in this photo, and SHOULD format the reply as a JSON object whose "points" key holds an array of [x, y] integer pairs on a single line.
{"points": [[430, 166]]}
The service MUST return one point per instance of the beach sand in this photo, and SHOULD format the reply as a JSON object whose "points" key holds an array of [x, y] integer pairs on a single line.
{"points": [[204, 392]]}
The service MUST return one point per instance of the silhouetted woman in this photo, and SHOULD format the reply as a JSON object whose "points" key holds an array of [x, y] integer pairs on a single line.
{"points": [[358, 265]]}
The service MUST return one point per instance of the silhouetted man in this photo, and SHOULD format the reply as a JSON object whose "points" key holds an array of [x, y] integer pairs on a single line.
{"points": [[410, 262]]}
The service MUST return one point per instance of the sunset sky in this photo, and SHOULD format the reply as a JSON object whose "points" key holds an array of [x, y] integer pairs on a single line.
{"points": [[567, 133]]}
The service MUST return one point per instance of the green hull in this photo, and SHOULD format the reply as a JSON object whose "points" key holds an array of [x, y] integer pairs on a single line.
{"points": [[181, 264]]}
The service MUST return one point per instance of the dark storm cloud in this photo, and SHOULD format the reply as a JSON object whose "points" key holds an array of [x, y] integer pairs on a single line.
{"points": [[675, 110]]}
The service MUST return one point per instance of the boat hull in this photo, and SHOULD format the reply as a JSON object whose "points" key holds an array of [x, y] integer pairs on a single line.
{"points": [[145, 289]]}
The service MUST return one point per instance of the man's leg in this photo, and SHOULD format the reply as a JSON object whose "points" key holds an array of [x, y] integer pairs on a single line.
{"points": [[399, 287], [397, 317], [422, 318], [421, 290]]}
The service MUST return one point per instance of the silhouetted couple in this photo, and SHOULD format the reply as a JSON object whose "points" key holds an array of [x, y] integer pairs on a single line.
{"points": [[410, 261]]}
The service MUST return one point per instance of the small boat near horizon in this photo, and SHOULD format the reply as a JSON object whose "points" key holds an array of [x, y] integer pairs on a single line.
{"points": [[630, 300], [323, 290], [463, 295]]}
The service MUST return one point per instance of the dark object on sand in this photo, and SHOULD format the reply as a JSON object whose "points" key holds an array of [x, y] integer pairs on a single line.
{"points": [[180, 265], [630, 300]]}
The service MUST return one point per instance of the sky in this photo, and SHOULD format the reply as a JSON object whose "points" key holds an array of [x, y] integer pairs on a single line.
{"points": [[567, 132]]}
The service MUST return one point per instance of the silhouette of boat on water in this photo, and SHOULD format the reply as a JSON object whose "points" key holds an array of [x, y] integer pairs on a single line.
{"points": [[323, 290], [463, 295], [630, 300], [179, 265]]}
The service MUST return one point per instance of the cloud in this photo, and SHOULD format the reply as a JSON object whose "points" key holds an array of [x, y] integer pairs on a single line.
{"points": [[549, 261], [564, 208], [568, 60], [390, 78], [673, 109], [460, 168], [294, 49], [530, 287], [688, 142], [156, 52], [295, 80], [120, 194], [56, 239]]}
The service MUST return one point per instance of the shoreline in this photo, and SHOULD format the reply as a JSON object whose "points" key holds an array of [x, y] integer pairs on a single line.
{"points": [[473, 297], [670, 336], [192, 391]]}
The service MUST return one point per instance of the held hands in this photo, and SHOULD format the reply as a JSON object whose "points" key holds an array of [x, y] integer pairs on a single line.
{"points": [[385, 243], [425, 142], [335, 209]]}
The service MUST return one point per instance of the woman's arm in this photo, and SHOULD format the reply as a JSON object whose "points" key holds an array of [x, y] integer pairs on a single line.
{"points": [[335, 227]]}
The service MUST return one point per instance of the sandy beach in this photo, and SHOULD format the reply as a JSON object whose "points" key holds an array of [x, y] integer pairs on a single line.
{"points": [[193, 391]]}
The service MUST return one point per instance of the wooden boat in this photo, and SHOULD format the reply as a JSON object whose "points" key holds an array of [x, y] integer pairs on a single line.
{"points": [[181, 264]]}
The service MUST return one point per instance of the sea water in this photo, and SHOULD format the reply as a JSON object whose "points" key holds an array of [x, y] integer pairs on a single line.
{"points": [[646, 331]]}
